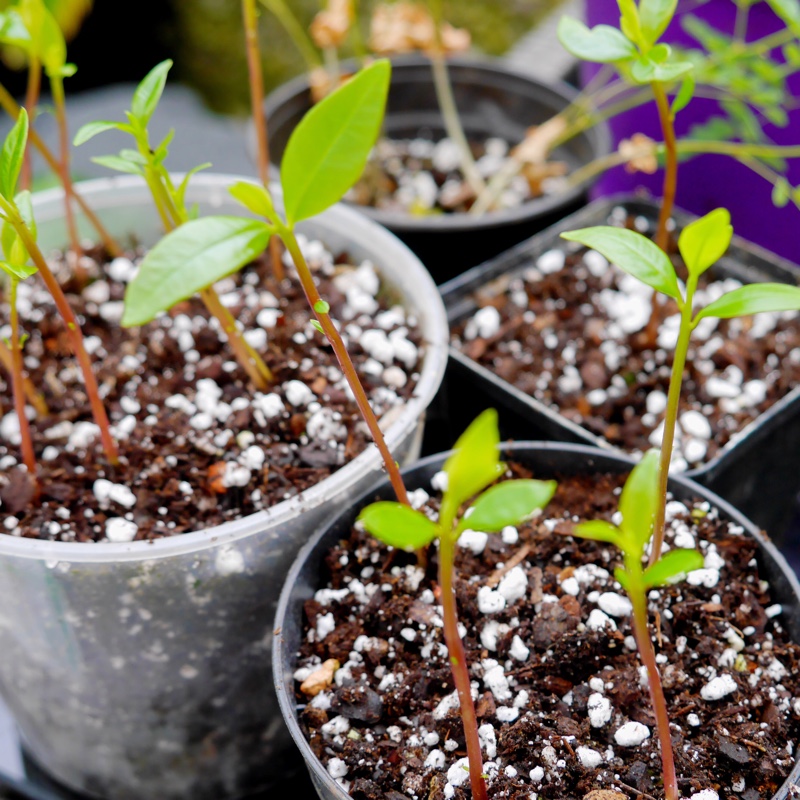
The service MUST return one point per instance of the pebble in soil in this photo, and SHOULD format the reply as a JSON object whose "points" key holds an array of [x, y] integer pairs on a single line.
{"points": [[569, 330], [198, 446], [422, 177], [561, 704]]}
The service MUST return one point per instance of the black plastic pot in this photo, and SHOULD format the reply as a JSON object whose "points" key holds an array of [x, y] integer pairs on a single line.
{"points": [[545, 459], [494, 100], [758, 470]]}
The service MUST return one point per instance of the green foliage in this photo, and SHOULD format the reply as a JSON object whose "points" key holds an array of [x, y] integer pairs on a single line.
{"points": [[672, 567], [191, 258], [473, 465], [602, 44], [328, 150], [754, 298], [658, 66], [632, 252], [685, 95], [12, 155], [149, 91], [254, 197], [654, 16], [30, 26], [703, 242], [15, 255]]}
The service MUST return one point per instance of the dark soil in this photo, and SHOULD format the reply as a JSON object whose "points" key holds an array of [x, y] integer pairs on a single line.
{"points": [[569, 337], [198, 445], [422, 177], [384, 738]]}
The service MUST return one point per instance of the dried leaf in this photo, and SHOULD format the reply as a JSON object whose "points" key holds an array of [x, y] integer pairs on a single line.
{"points": [[405, 27], [331, 25], [640, 154], [320, 679]]}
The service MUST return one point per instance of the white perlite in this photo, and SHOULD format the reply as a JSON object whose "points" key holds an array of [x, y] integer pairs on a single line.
{"points": [[631, 734], [588, 757], [458, 772], [718, 687], [518, 651], [490, 601], [513, 585], [337, 768], [106, 491], [120, 530], [614, 605], [435, 760], [705, 794], [472, 540], [599, 708], [598, 620], [488, 740]]}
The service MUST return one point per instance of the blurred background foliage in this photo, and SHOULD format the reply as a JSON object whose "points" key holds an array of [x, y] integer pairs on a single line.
{"points": [[113, 42]]}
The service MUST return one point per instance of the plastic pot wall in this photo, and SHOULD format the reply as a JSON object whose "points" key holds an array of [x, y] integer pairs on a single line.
{"points": [[494, 100], [142, 670], [758, 470], [710, 181], [546, 460]]}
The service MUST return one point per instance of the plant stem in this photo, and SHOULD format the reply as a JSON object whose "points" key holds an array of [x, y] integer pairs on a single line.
{"points": [[670, 166], [742, 14], [452, 122], [57, 90], [295, 31], [648, 657], [31, 101], [257, 371], [259, 118], [671, 418], [17, 380], [35, 398], [73, 330], [11, 107], [458, 663], [343, 357]]}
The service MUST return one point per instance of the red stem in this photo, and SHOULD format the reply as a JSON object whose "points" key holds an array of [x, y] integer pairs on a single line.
{"points": [[648, 657], [17, 383], [670, 165], [345, 362], [76, 339], [31, 100], [66, 179], [458, 665]]}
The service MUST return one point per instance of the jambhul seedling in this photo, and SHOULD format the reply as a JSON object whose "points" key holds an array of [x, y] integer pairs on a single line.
{"points": [[637, 505], [474, 465]]}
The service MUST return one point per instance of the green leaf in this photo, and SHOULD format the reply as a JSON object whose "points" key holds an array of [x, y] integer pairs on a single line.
{"points": [[149, 91], [602, 44], [509, 503], [18, 271], [134, 156], [254, 197], [118, 164], [647, 69], [398, 525], [191, 258], [91, 129], [12, 155], [655, 16], [622, 578], [162, 151], [632, 252], [703, 242], [24, 205], [13, 30], [788, 11], [180, 192], [672, 567], [475, 462], [629, 22], [639, 500], [598, 530], [328, 150], [754, 299], [684, 96], [53, 48], [322, 307], [781, 193]]}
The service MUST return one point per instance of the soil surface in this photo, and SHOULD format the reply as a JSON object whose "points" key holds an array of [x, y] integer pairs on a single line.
{"points": [[199, 446], [557, 680], [422, 177], [571, 331]]}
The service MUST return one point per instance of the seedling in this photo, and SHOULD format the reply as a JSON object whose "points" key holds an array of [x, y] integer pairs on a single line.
{"points": [[169, 200], [19, 244], [637, 505], [474, 465], [701, 244], [325, 156]]}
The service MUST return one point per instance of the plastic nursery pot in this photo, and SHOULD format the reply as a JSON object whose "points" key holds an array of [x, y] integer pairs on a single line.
{"points": [[546, 460], [758, 470], [493, 100], [142, 670], [725, 182]]}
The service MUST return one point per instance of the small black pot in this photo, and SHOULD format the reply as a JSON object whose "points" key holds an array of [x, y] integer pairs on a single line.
{"points": [[494, 100], [544, 459], [758, 470]]}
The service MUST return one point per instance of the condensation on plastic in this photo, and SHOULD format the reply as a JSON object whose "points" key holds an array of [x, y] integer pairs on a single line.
{"points": [[143, 670], [545, 459]]}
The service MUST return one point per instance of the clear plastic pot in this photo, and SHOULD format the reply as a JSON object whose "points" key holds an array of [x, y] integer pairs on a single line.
{"points": [[545, 459], [143, 670]]}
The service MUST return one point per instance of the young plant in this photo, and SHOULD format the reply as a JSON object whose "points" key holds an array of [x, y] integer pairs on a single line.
{"points": [[169, 200], [637, 505], [473, 465], [19, 238], [325, 156], [701, 245]]}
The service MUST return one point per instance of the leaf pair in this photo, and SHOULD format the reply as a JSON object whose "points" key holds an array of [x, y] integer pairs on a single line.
{"points": [[473, 465], [637, 506], [701, 243], [325, 156], [30, 26]]}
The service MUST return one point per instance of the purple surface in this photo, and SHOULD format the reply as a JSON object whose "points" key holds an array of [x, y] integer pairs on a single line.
{"points": [[708, 182]]}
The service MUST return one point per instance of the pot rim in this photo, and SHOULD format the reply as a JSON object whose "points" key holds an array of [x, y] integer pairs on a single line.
{"points": [[433, 324], [286, 702], [598, 136]]}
